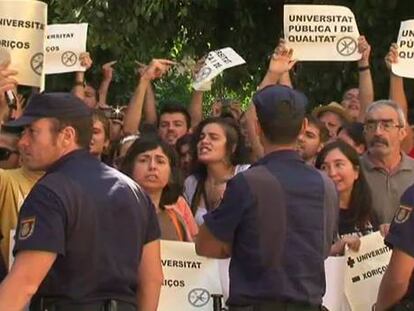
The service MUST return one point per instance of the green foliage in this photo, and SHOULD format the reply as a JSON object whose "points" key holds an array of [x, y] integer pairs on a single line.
{"points": [[130, 30]]}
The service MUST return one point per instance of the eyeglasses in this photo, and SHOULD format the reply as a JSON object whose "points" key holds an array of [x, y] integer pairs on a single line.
{"points": [[385, 125], [5, 153]]}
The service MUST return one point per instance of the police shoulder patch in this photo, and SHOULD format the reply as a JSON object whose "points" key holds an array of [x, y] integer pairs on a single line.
{"points": [[402, 214], [27, 226]]}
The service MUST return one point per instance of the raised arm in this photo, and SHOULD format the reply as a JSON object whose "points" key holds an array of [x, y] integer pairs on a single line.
{"points": [[397, 94], [107, 73], [155, 70], [79, 86], [365, 85], [280, 63]]}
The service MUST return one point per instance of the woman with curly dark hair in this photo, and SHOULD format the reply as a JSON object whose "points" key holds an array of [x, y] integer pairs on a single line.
{"points": [[218, 154]]}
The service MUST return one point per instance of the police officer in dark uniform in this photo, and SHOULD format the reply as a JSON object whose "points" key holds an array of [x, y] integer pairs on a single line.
{"points": [[87, 237], [397, 286], [277, 219]]}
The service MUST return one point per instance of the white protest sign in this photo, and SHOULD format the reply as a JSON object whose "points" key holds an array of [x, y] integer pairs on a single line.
{"points": [[215, 63], [321, 32], [189, 280], [365, 270], [405, 65], [334, 298], [64, 44], [22, 27]]}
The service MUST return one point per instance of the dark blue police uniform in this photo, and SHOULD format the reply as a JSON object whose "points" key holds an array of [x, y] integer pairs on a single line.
{"points": [[97, 221], [280, 236], [401, 234]]}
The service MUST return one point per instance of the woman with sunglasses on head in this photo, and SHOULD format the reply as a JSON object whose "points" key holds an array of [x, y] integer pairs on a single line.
{"points": [[218, 154], [153, 165], [356, 218]]}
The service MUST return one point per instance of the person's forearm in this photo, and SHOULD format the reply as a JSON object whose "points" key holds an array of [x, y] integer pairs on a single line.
{"points": [[196, 108], [14, 294], [148, 296], [270, 78], [366, 88], [257, 148], [150, 110], [397, 92], [390, 292], [103, 92], [133, 113], [285, 80], [79, 88]]}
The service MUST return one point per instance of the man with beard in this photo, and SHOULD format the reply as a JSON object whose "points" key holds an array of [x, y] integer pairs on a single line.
{"points": [[312, 139], [174, 122], [389, 171]]}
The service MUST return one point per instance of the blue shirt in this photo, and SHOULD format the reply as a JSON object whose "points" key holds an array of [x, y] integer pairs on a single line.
{"points": [[280, 223], [96, 220]]}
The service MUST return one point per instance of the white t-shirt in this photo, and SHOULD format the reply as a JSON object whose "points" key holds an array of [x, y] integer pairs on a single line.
{"points": [[190, 186]]}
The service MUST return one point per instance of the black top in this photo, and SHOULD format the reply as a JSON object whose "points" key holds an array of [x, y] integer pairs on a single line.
{"points": [[96, 220]]}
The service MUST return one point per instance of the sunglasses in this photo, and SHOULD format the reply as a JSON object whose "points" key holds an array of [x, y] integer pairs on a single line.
{"points": [[5, 153]]}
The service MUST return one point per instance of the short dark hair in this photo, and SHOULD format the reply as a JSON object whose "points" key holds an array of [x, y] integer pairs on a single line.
{"points": [[174, 188], [355, 130], [323, 131], [174, 107], [286, 124], [182, 141], [360, 203], [82, 126]]}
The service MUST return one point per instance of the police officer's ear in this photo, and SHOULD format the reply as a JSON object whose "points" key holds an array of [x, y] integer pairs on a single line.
{"points": [[68, 136]]}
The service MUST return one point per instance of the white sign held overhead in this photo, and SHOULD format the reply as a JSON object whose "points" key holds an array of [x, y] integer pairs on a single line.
{"points": [[215, 63], [321, 32], [64, 44], [22, 29], [405, 65]]}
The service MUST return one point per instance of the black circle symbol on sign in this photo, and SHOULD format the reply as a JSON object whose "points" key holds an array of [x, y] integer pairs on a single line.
{"points": [[69, 58], [203, 73], [198, 297], [346, 46], [36, 62]]}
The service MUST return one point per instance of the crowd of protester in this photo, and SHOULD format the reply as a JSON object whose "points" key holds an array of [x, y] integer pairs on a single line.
{"points": [[183, 159]]}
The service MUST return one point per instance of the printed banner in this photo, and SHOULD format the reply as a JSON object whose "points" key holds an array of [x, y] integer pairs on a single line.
{"points": [[364, 271], [22, 29], [334, 298], [215, 63], [405, 65], [64, 44], [321, 32], [189, 280]]}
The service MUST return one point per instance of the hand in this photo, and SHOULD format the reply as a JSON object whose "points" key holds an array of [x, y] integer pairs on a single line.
{"points": [[353, 242], [156, 69], [108, 71], [216, 108], [6, 81], [281, 60], [365, 49], [392, 56], [200, 63], [384, 229], [235, 110], [85, 60]]}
